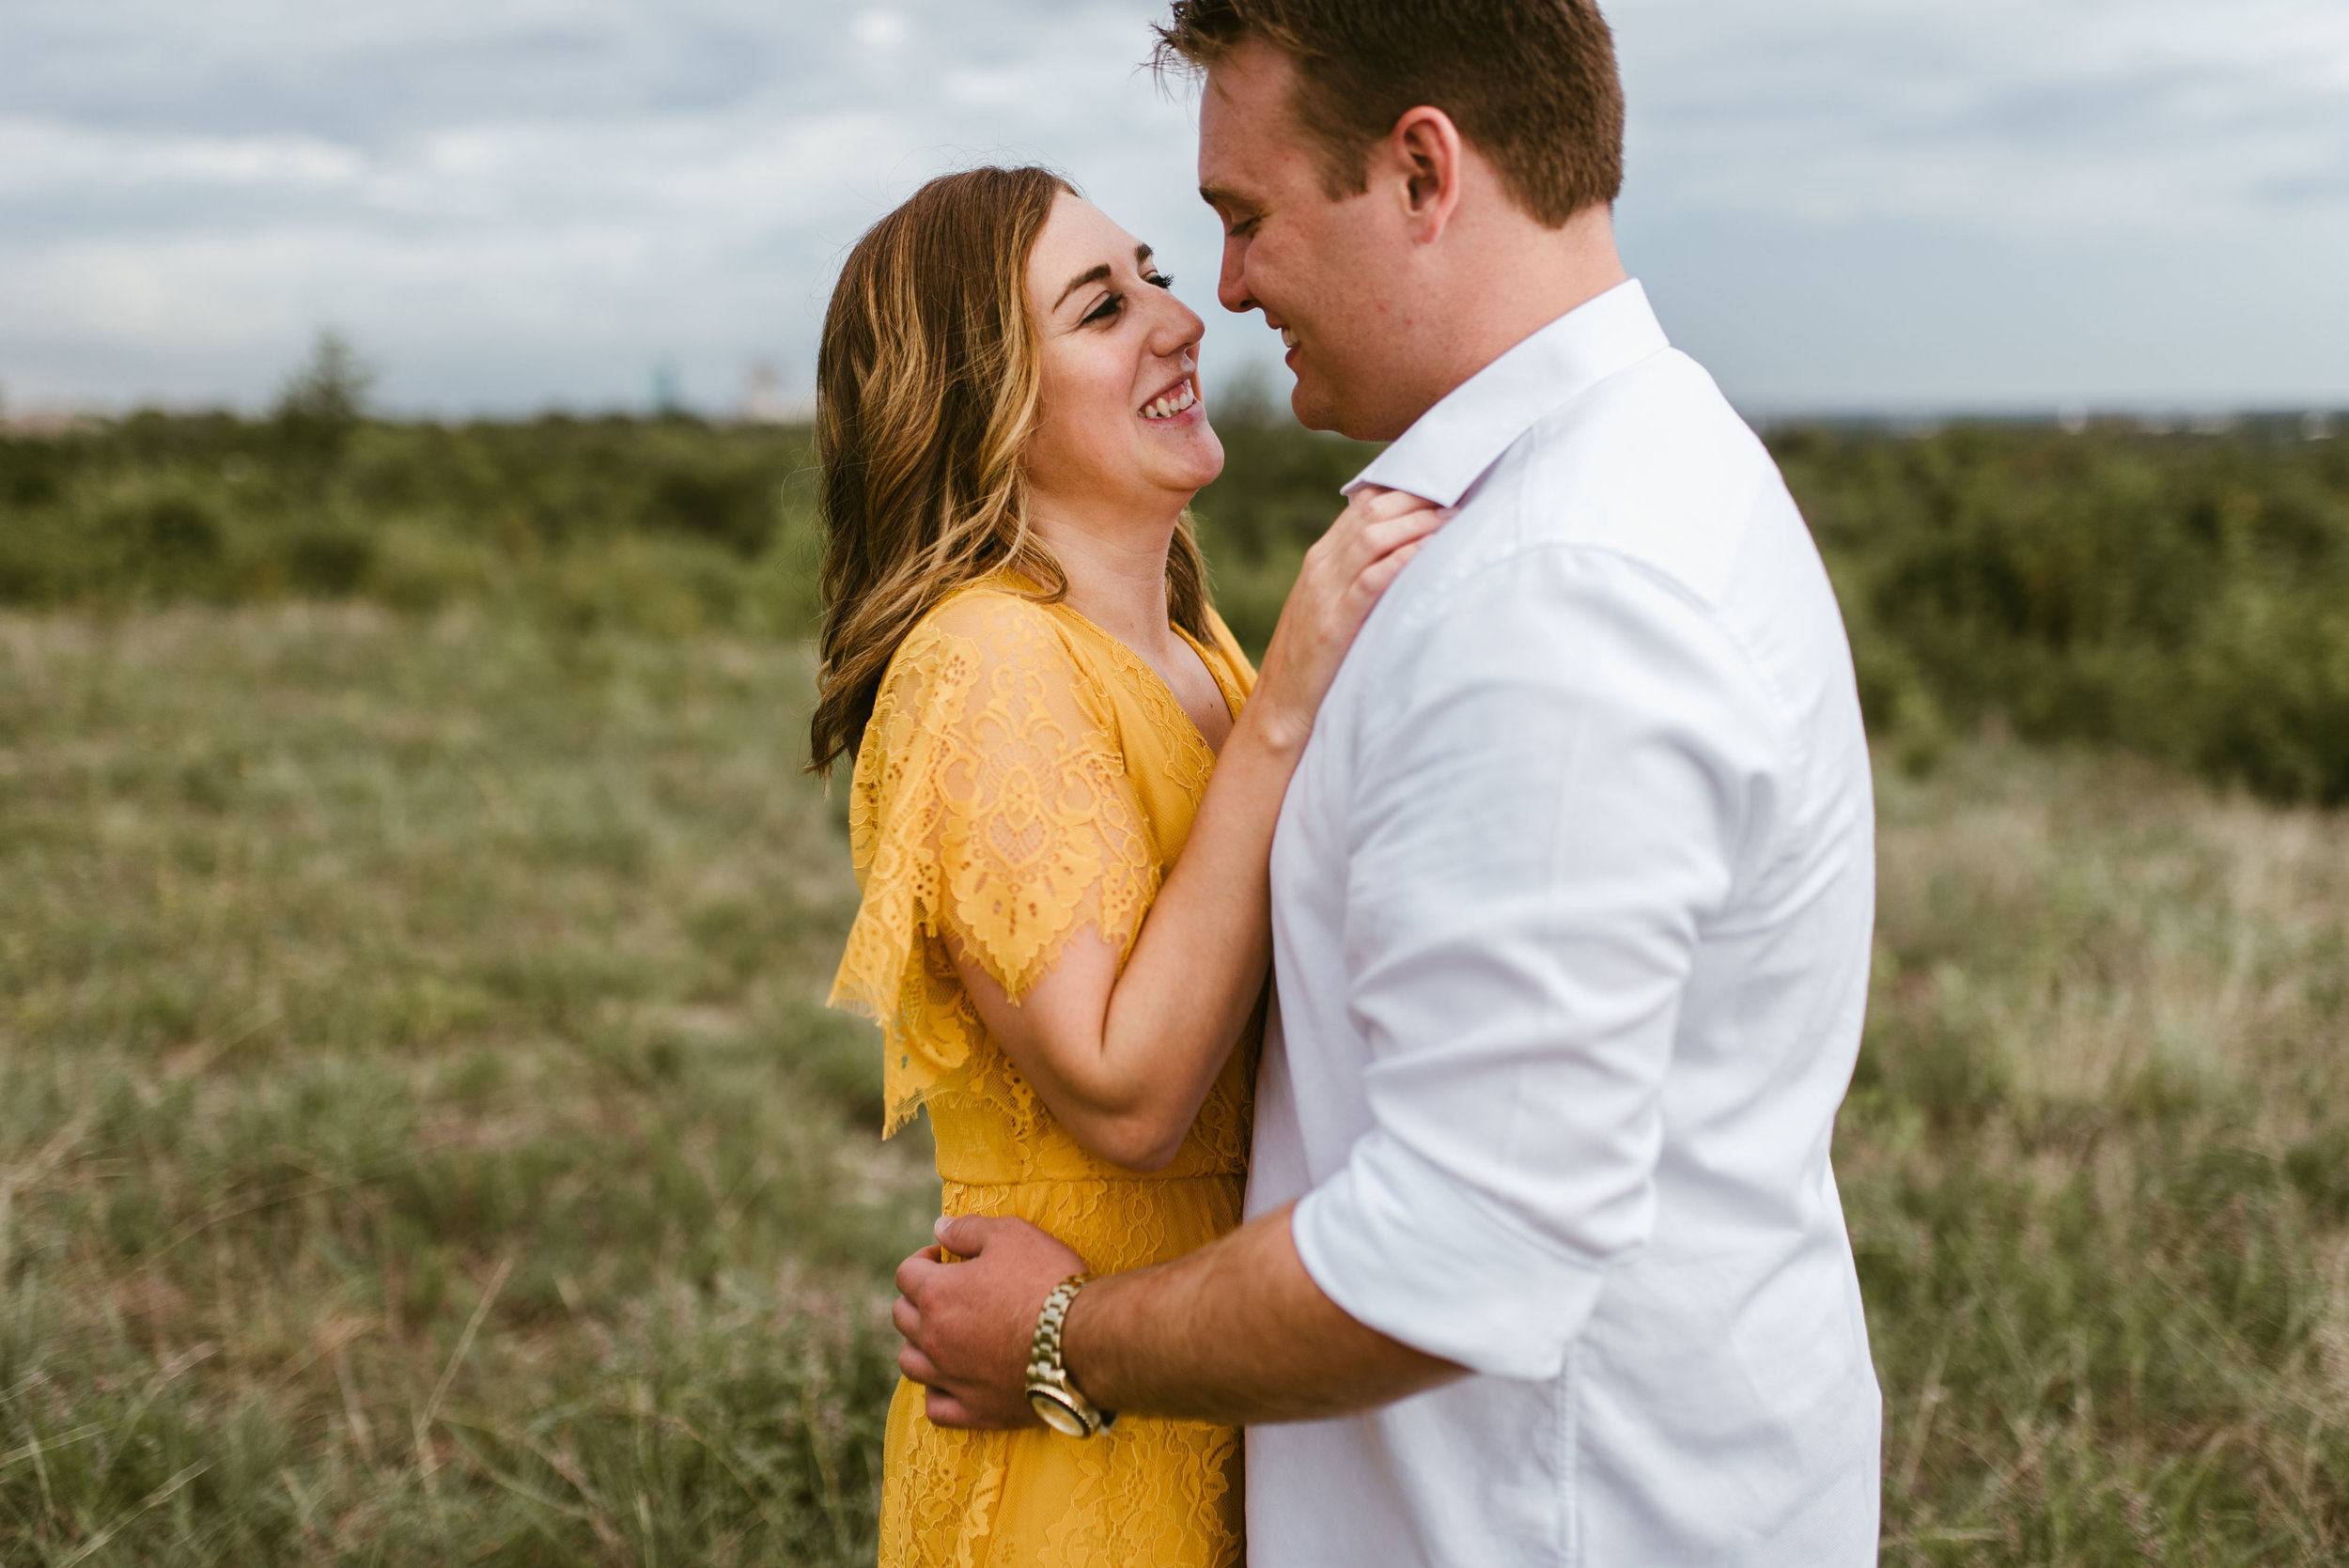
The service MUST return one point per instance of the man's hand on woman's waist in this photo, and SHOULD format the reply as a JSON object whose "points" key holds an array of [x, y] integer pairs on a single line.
{"points": [[1236, 1332]]}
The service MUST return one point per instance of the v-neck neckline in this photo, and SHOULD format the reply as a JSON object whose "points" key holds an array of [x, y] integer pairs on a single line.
{"points": [[1208, 662], [1166, 688]]}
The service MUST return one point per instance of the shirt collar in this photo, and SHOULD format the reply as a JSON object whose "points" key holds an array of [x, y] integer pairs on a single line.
{"points": [[1448, 448]]}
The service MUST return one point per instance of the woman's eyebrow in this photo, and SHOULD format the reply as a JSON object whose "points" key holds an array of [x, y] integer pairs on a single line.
{"points": [[1099, 274]]}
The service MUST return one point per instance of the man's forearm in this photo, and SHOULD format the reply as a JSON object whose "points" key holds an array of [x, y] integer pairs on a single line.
{"points": [[1236, 1333]]}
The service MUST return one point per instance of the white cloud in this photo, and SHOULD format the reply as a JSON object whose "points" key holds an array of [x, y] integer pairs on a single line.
{"points": [[53, 157], [1871, 203], [516, 201], [633, 185], [2022, 115], [880, 29]]}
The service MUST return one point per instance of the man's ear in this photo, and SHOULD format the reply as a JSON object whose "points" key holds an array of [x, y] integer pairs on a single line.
{"points": [[1426, 149]]}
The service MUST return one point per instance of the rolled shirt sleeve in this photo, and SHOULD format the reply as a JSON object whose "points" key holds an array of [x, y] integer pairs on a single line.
{"points": [[1569, 760]]}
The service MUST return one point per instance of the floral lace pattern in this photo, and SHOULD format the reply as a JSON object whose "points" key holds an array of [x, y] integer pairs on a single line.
{"points": [[1025, 777], [1146, 1492], [989, 802]]}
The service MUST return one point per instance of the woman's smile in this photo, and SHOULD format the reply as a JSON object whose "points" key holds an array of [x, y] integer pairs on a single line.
{"points": [[1172, 405], [1113, 336]]}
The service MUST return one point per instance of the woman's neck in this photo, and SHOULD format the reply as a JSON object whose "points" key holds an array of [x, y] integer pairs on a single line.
{"points": [[1115, 566]]}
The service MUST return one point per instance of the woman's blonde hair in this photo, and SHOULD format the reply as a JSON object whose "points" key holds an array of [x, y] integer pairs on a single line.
{"points": [[927, 388]]}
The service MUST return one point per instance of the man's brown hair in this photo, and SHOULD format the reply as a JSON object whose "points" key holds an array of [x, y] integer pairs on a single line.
{"points": [[1531, 83]]}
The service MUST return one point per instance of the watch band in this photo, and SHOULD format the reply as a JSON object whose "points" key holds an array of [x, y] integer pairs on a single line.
{"points": [[1050, 1392]]}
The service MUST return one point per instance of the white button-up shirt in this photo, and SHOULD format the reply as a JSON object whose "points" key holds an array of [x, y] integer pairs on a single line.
{"points": [[1572, 900]]}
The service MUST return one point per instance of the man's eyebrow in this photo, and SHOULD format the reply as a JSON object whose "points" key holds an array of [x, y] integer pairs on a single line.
{"points": [[1099, 274], [1222, 197]]}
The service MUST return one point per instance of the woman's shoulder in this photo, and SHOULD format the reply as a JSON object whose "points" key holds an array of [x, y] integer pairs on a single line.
{"points": [[978, 636], [993, 620]]}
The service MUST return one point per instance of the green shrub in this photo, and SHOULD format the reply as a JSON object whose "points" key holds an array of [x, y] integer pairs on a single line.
{"points": [[737, 508], [2179, 595], [328, 561], [2182, 596]]}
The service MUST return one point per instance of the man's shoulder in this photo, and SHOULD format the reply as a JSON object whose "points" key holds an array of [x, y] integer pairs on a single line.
{"points": [[1653, 465], [1645, 501]]}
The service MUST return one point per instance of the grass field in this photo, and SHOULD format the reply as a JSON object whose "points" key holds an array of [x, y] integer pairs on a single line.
{"points": [[2096, 1164], [421, 1141], [420, 1137]]}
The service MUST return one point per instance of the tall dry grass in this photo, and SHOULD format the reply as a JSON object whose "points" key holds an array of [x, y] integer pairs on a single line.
{"points": [[420, 1141], [420, 1137], [2096, 1163]]}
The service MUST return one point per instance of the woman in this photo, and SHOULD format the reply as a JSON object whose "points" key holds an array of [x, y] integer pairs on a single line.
{"points": [[1045, 713]]}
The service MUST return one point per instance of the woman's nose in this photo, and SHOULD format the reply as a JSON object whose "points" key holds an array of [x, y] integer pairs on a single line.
{"points": [[1175, 328]]}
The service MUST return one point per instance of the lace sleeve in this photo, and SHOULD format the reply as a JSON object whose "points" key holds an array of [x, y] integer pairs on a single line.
{"points": [[989, 805]]}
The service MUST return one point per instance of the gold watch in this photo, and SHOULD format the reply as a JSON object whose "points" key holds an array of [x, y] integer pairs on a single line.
{"points": [[1051, 1392]]}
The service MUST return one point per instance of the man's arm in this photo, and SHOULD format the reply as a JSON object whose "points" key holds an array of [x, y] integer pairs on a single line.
{"points": [[1552, 805], [1236, 1333]]}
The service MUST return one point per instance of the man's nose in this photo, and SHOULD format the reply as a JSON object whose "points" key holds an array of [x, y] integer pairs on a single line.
{"points": [[1231, 286]]}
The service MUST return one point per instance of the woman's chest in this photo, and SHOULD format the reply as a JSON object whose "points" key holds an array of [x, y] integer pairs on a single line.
{"points": [[1166, 760]]}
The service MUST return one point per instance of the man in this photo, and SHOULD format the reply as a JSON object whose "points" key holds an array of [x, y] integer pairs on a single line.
{"points": [[1573, 889]]}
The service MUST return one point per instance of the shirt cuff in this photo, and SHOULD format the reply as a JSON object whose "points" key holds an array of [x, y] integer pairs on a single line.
{"points": [[1404, 1248]]}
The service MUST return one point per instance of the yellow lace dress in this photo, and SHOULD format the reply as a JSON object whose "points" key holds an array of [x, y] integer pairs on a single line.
{"points": [[1025, 775]]}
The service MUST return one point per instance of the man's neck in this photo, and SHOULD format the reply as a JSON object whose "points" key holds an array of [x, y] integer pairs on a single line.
{"points": [[1504, 285]]}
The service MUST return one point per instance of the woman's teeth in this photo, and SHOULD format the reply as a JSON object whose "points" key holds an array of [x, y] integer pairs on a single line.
{"points": [[1172, 404]]}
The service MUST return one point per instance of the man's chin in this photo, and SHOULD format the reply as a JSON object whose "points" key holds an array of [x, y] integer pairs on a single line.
{"points": [[1314, 408], [1318, 409]]}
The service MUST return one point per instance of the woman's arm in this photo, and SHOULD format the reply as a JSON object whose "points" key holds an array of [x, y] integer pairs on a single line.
{"points": [[1124, 1059]]}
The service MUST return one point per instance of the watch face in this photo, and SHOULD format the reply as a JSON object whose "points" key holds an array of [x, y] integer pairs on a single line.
{"points": [[1057, 1413]]}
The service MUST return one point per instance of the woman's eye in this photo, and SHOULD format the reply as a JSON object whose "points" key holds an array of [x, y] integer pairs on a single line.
{"points": [[1162, 280], [1110, 307]]}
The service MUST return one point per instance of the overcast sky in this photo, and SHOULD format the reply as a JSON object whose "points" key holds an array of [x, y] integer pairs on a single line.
{"points": [[1838, 205]]}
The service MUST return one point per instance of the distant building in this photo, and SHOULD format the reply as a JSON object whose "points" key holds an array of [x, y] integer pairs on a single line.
{"points": [[763, 402], [45, 424]]}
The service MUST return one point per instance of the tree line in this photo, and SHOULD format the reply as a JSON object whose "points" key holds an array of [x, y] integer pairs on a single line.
{"points": [[2181, 595]]}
